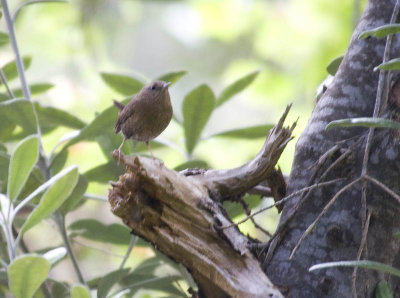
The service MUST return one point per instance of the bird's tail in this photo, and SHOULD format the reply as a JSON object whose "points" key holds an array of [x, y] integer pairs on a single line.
{"points": [[118, 104]]}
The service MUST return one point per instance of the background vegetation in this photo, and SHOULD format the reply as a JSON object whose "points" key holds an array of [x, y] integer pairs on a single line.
{"points": [[233, 64]]}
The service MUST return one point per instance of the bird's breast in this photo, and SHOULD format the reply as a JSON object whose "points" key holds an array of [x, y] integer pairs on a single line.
{"points": [[148, 121]]}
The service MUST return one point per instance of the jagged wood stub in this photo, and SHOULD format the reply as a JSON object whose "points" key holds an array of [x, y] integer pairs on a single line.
{"points": [[181, 217]]}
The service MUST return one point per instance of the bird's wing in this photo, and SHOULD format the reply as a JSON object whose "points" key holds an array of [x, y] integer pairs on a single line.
{"points": [[125, 113]]}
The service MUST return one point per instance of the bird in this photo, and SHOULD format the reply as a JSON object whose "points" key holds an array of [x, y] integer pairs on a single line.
{"points": [[146, 116]]}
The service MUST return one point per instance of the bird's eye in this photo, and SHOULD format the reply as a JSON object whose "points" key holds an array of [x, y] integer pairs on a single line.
{"points": [[153, 87]]}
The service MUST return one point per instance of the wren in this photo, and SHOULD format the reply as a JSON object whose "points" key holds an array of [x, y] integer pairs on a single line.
{"points": [[146, 116]]}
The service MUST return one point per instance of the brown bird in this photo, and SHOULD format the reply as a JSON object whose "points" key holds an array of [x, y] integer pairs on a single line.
{"points": [[146, 116]]}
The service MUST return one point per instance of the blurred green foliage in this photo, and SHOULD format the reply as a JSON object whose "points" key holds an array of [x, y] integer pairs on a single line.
{"points": [[234, 66]]}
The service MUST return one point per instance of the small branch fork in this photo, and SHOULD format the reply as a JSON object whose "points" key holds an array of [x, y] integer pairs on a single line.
{"points": [[282, 228], [229, 183], [182, 216], [284, 200]]}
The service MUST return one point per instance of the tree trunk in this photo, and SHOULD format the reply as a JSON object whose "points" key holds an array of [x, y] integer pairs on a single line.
{"points": [[337, 235]]}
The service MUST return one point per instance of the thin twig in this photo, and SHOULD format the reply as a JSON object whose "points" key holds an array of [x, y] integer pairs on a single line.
{"points": [[359, 253], [382, 91], [383, 186], [95, 197], [18, 59], [61, 225], [10, 241], [3, 263], [335, 163], [128, 252], [260, 190], [306, 195], [107, 252], [323, 158], [248, 212], [4, 80], [281, 230], [326, 208], [21, 73], [284, 200]]}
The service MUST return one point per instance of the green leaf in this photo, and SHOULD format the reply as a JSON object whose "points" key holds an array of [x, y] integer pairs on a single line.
{"points": [[75, 196], [364, 264], [393, 64], [20, 112], [109, 141], [381, 31], [333, 66], [147, 267], [152, 282], [60, 289], [58, 161], [172, 77], [383, 290], [124, 85], [236, 87], [52, 198], [253, 132], [79, 291], [35, 89], [4, 96], [192, 164], [196, 109], [55, 255], [35, 179], [26, 274], [97, 231], [6, 129], [10, 69], [22, 162], [365, 122], [109, 280], [4, 168], [102, 124], [105, 172], [50, 118], [4, 39]]}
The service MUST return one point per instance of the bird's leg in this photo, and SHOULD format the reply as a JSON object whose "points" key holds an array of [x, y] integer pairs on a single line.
{"points": [[151, 152], [120, 149]]}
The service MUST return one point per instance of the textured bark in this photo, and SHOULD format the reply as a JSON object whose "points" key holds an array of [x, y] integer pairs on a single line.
{"points": [[337, 235], [182, 217]]}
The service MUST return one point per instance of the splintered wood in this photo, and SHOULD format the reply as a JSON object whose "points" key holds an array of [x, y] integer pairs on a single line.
{"points": [[181, 217]]}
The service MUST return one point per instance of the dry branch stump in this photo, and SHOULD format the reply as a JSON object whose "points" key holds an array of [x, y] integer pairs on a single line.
{"points": [[181, 215]]}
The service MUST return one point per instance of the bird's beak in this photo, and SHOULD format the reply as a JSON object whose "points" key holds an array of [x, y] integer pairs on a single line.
{"points": [[166, 85]]}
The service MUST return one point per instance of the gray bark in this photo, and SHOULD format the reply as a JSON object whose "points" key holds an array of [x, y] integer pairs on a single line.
{"points": [[337, 235]]}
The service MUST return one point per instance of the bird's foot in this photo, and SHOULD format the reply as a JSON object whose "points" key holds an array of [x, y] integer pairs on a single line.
{"points": [[119, 156], [151, 151]]}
